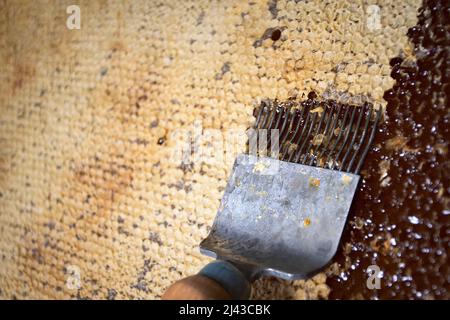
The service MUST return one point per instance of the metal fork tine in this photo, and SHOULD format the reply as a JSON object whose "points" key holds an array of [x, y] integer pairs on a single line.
{"points": [[299, 152], [272, 115], [348, 129], [352, 141], [369, 143], [277, 112], [292, 137], [319, 127], [325, 133], [288, 114], [255, 126], [280, 112], [328, 134], [259, 120], [268, 116], [331, 151], [361, 140], [344, 150], [260, 112], [303, 124]]}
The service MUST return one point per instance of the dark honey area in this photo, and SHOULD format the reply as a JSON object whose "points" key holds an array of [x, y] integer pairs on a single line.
{"points": [[400, 216]]}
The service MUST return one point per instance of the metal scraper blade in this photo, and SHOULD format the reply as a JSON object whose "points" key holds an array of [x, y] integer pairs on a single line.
{"points": [[280, 218]]}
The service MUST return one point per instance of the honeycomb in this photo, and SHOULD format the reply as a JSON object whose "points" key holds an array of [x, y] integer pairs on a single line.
{"points": [[92, 205]]}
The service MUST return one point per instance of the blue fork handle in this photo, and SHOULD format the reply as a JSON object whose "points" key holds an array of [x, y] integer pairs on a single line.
{"points": [[229, 277], [217, 280]]}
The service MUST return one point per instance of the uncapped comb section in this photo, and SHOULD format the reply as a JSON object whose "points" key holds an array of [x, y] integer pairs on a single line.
{"points": [[318, 133]]}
